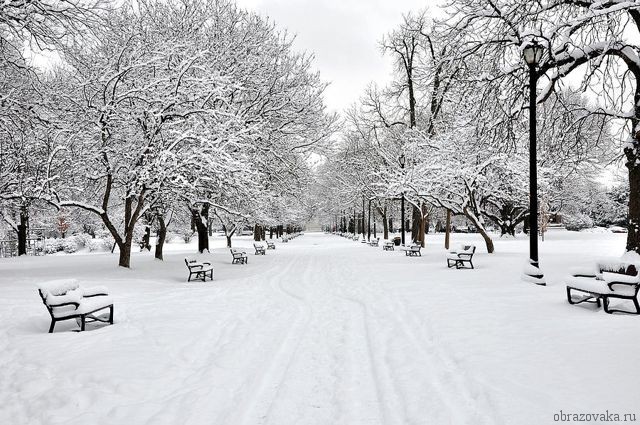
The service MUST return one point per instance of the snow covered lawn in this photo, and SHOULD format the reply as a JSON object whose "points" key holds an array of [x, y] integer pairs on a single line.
{"points": [[320, 331]]}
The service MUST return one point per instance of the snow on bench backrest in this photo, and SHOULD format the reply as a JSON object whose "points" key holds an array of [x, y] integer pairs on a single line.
{"points": [[61, 291], [59, 286]]}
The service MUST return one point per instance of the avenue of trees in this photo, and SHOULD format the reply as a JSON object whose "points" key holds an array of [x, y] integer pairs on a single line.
{"points": [[457, 111], [152, 111]]}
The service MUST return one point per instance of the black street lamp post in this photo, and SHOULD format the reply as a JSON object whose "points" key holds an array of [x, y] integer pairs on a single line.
{"points": [[402, 161], [532, 55]]}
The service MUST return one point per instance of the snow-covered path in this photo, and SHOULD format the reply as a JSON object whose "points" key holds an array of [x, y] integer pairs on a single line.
{"points": [[321, 331]]}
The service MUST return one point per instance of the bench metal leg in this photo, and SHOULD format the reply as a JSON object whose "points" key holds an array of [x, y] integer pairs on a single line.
{"points": [[609, 310], [53, 324], [588, 298], [83, 321]]}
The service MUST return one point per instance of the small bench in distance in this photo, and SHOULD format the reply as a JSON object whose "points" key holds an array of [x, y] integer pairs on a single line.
{"points": [[239, 257], [413, 250], [201, 270], [259, 249], [461, 256]]}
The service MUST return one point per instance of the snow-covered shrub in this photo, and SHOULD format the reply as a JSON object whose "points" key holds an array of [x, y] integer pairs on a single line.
{"points": [[69, 245], [99, 245], [51, 246], [577, 221], [82, 239], [187, 235]]}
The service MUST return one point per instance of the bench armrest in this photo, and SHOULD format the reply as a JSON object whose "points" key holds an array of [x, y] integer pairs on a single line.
{"points": [[623, 284], [64, 304], [95, 295]]}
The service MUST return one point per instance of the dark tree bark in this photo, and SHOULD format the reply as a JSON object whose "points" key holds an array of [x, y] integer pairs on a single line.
{"points": [[162, 236], [447, 230], [416, 220], [23, 230], [200, 219], [257, 233], [146, 239], [633, 226]]}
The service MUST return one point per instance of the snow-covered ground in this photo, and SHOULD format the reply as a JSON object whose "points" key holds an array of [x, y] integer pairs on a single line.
{"points": [[320, 331]]}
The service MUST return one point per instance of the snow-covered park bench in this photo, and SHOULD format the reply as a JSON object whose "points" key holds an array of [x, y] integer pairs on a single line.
{"points": [[413, 250], [611, 280], [388, 246], [239, 257], [259, 249], [201, 270], [271, 245], [461, 256], [374, 242], [66, 300]]}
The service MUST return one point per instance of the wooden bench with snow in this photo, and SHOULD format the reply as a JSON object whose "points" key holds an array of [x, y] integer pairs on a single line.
{"points": [[259, 249], [239, 257], [66, 300], [612, 279], [388, 246], [413, 250], [271, 245], [461, 256], [201, 270], [374, 242]]}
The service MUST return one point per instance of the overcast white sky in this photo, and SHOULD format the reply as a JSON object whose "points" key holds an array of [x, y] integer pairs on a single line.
{"points": [[343, 35]]}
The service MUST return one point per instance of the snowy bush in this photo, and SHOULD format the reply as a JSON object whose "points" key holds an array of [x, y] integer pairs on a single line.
{"points": [[187, 235], [99, 244], [69, 245], [82, 240], [577, 221], [51, 246]]}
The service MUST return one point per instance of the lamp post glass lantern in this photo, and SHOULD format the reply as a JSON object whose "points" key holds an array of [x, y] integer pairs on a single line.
{"points": [[532, 55], [402, 162]]}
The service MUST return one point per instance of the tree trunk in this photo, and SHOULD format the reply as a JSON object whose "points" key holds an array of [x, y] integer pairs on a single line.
{"points": [[385, 224], [23, 230], [390, 229], [447, 231], [633, 235], [257, 233], [487, 240], [125, 252], [421, 227], [200, 219], [416, 225], [369, 223], [228, 241], [271, 232], [162, 236], [146, 239]]}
